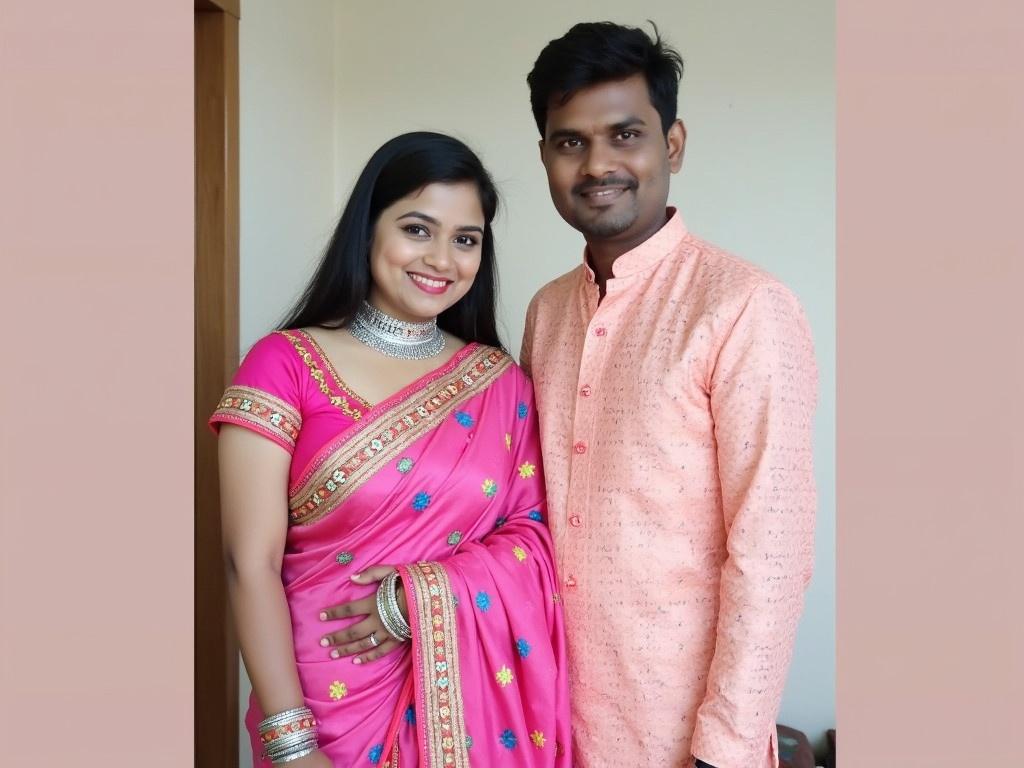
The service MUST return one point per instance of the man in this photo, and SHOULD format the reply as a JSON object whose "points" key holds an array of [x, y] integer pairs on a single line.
{"points": [[675, 387]]}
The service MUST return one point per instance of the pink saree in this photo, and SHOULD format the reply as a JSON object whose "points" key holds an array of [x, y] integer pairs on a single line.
{"points": [[442, 480]]}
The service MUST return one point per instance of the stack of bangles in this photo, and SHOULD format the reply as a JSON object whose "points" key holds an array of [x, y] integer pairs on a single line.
{"points": [[387, 607], [289, 735]]}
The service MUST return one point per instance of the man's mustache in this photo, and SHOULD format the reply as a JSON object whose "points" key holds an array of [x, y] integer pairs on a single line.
{"points": [[589, 186]]}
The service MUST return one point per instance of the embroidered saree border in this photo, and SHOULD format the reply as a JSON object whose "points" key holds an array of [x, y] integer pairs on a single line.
{"points": [[262, 410], [338, 381], [438, 666], [359, 457], [338, 401]]}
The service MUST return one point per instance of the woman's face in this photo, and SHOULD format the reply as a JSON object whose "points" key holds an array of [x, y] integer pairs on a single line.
{"points": [[426, 251]]}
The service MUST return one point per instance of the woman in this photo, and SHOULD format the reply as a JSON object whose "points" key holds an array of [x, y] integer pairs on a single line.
{"points": [[390, 573]]}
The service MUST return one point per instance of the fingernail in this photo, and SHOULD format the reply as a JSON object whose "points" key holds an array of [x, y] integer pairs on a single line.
{"points": [[356, 576], [335, 654], [323, 615], [324, 642], [357, 660]]}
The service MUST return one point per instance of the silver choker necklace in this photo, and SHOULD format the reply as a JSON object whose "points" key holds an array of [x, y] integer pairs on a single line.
{"points": [[396, 338]]}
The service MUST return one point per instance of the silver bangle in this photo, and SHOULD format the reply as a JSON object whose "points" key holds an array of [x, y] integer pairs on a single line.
{"points": [[295, 756], [390, 613], [296, 713], [283, 752], [396, 612]]}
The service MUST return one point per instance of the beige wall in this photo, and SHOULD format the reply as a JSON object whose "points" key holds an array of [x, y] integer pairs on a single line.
{"points": [[757, 98], [286, 162]]}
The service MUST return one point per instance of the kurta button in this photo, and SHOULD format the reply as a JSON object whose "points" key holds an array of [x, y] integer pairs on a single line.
{"points": [[575, 521], [600, 331], [570, 582], [580, 447], [585, 390]]}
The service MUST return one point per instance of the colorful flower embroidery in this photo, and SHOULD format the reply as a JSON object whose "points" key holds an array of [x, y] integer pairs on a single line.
{"points": [[508, 442], [500, 521], [489, 487], [464, 419], [469, 742], [537, 516], [375, 753], [503, 676], [522, 410], [405, 464], [410, 715], [344, 558], [421, 501], [454, 537], [508, 739], [338, 690], [527, 470], [483, 601], [538, 739], [520, 553], [523, 647]]}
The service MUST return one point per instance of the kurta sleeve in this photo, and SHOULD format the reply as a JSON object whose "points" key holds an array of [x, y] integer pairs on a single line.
{"points": [[265, 393], [526, 348], [763, 393]]}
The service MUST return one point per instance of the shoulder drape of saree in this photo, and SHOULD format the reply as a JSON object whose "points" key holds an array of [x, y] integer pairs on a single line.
{"points": [[345, 463], [489, 665]]}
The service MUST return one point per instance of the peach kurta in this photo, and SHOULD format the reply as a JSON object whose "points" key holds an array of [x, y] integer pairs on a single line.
{"points": [[676, 431]]}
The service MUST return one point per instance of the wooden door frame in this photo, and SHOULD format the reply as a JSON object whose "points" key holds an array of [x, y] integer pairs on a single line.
{"points": [[216, 358]]}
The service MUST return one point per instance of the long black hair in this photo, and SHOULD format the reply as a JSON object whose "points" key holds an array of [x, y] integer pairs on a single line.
{"points": [[402, 166]]}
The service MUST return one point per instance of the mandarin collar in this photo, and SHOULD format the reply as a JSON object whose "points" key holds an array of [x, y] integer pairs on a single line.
{"points": [[649, 252]]}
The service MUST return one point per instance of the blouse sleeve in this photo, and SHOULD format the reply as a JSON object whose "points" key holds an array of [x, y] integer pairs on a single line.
{"points": [[265, 394]]}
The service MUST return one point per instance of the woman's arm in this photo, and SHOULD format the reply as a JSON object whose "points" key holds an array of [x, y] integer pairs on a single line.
{"points": [[254, 482]]}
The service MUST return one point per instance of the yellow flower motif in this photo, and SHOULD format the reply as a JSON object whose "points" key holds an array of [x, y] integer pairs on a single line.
{"points": [[338, 690], [508, 442], [520, 553], [503, 676], [537, 738], [489, 487], [527, 470]]}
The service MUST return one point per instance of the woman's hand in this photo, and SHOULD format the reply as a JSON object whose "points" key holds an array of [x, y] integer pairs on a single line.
{"points": [[356, 639]]}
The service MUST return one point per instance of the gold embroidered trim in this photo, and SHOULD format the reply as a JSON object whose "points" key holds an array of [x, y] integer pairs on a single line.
{"points": [[260, 409], [338, 381], [359, 458], [438, 666], [338, 401]]}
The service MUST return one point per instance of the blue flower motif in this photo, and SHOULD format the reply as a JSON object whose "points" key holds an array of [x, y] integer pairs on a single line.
{"points": [[523, 647], [483, 601], [421, 501], [508, 739], [464, 419], [469, 742], [537, 516], [405, 464], [500, 521], [375, 753], [410, 715], [522, 410], [455, 600]]}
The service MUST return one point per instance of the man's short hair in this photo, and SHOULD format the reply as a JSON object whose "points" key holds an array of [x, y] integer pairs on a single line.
{"points": [[595, 52]]}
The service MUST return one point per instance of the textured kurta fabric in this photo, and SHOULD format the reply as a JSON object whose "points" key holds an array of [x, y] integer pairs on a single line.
{"points": [[676, 431]]}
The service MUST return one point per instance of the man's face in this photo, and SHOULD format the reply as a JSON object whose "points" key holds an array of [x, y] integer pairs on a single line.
{"points": [[608, 161]]}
